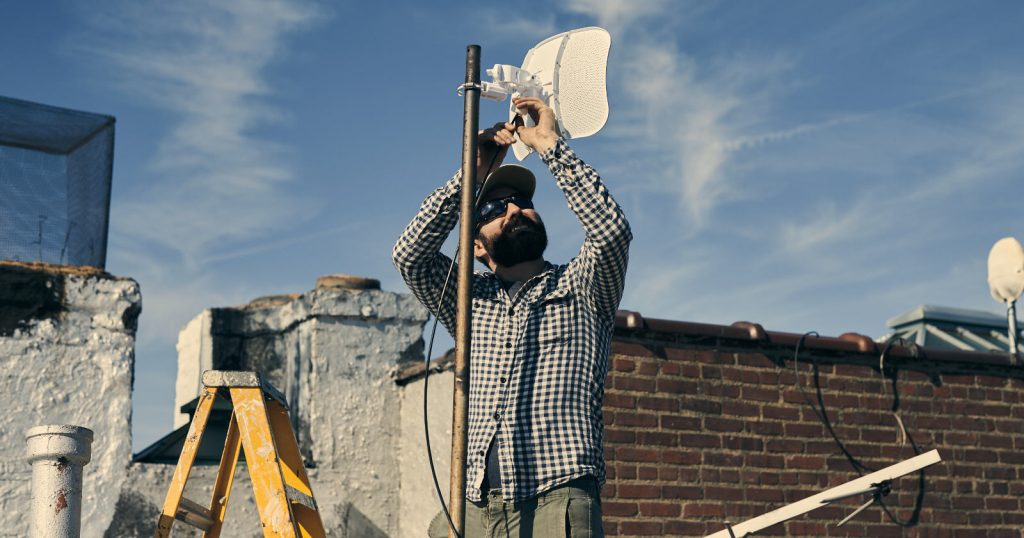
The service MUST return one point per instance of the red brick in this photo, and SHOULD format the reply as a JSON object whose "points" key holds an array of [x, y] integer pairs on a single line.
{"points": [[700, 440], [619, 508], [749, 444], [702, 510], [681, 457], [701, 405], [647, 473], [780, 413], [625, 471], [720, 459], [806, 462], [624, 418], [657, 438], [754, 359], [637, 454], [682, 492], [710, 372], [648, 367], [640, 527], [623, 365], [788, 446], [677, 386], [986, 456], [760, 394], [685, 528], [723, 424], [619, 400], [615, 435], [660, 509], [634, 491], [637, 384], [675, 422], [743, 409], [764, 494], [660, 404]]}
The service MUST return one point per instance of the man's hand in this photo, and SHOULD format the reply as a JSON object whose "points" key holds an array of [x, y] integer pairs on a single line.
{"points": [[542, 136], [492, 145]]}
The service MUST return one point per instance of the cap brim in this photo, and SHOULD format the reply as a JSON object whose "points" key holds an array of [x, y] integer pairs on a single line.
{"points": [[510, 176]]}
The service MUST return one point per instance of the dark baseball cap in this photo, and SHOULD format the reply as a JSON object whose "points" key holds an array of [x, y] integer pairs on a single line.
{"points": [[512, 176]]}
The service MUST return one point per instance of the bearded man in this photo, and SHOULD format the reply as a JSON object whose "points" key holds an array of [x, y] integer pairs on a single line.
{"points": [[541, 336]]}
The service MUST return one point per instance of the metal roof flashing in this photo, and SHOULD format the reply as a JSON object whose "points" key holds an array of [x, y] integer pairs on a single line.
{"points": [[961, 316]]}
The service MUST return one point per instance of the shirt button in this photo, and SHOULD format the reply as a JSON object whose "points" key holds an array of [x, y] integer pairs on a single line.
{"points": [[503, 380], [508, 345], [497, 416], [511, 311]]}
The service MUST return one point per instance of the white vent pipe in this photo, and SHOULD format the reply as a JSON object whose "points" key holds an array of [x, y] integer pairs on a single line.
{"points": [[57, 455]]}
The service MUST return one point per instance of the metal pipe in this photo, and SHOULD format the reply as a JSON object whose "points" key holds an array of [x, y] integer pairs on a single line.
{"points": [[57, 455], [1011, 318], [464, 302]]}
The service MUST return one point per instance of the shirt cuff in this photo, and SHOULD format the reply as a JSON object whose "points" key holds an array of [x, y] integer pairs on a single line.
{"points": [[450, 193], [560, 152], [561, 160]]}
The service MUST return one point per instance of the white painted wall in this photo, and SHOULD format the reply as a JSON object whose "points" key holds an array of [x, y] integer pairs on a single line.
{"points": [[73, 369], [195, 343], [418, 498]]}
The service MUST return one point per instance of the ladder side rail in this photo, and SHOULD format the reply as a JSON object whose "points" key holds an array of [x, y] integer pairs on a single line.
{"points": [[225, 478], [299, 489], [185, 461], [262, 460]]}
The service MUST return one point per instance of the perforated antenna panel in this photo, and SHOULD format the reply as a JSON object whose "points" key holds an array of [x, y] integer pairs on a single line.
{"points": [[571, 67]]}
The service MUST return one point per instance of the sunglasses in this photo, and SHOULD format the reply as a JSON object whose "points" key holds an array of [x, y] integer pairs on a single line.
{"points": [[496, 208]]}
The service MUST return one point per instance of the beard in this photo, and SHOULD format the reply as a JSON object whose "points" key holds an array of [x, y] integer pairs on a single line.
{"points": [[521, 240]]}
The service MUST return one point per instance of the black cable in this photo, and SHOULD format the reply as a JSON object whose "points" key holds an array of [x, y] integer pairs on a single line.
{"points": [[859, 467], [426, 363], [796, 371], [919, 501]]}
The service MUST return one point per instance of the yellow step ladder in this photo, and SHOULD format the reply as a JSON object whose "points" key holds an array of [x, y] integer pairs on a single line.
{"points": [[261, 427]]}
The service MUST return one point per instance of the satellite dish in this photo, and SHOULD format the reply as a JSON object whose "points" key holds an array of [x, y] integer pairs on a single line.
{"points": [[567, 71], [1006, 270]]}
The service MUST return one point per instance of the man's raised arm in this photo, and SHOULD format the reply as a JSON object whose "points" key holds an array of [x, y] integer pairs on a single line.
{"points": [[417, 254], [605, 253]]}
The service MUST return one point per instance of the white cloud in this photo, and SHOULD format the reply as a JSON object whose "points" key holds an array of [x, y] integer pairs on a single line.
{"points": [[614, 15], [202, 62], [505, 23], [683, 114]]}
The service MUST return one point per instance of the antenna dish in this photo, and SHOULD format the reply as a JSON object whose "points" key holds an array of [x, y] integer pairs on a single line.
{"points": [[567, 71], [1006, 270]]}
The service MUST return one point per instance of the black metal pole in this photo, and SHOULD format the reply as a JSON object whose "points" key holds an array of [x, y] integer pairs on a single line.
{"points": [[464, 304]]}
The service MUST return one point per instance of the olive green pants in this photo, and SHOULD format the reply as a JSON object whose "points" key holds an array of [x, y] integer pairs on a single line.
{"points": [[572, 510]]}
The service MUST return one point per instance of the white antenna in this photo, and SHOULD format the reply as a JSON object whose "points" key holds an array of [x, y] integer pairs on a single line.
{"points": [[877, 484], [567, 71], [1006, 281]]}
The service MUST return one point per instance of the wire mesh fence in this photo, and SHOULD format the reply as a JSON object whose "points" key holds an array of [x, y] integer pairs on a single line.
{"points": [[55, 174]]}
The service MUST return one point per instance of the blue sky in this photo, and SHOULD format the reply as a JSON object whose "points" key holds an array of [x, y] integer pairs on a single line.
{"points": [[807, 165]]}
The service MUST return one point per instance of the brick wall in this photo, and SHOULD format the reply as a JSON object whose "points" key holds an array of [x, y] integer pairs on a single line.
{"points": [[696, 436]]}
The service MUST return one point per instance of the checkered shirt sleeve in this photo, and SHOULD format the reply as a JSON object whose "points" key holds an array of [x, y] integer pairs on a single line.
{"points": [[540, 358]]}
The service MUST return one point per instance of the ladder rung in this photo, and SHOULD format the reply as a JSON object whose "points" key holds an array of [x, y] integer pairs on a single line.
{"points": [[299, 497], [194, 514]]}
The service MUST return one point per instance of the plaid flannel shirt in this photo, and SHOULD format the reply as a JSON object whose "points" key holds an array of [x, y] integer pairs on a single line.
{"points": [[539, 359]]}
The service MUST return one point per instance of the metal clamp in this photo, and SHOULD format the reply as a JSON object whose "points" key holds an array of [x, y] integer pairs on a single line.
{"points": [[467, 85]]}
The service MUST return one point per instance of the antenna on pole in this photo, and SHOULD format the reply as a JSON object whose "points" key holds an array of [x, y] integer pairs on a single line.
{"points": [[1006, 282], [568, 72]]}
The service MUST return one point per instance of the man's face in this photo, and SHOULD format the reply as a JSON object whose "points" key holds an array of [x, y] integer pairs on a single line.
{"points": [[514, 237]]}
